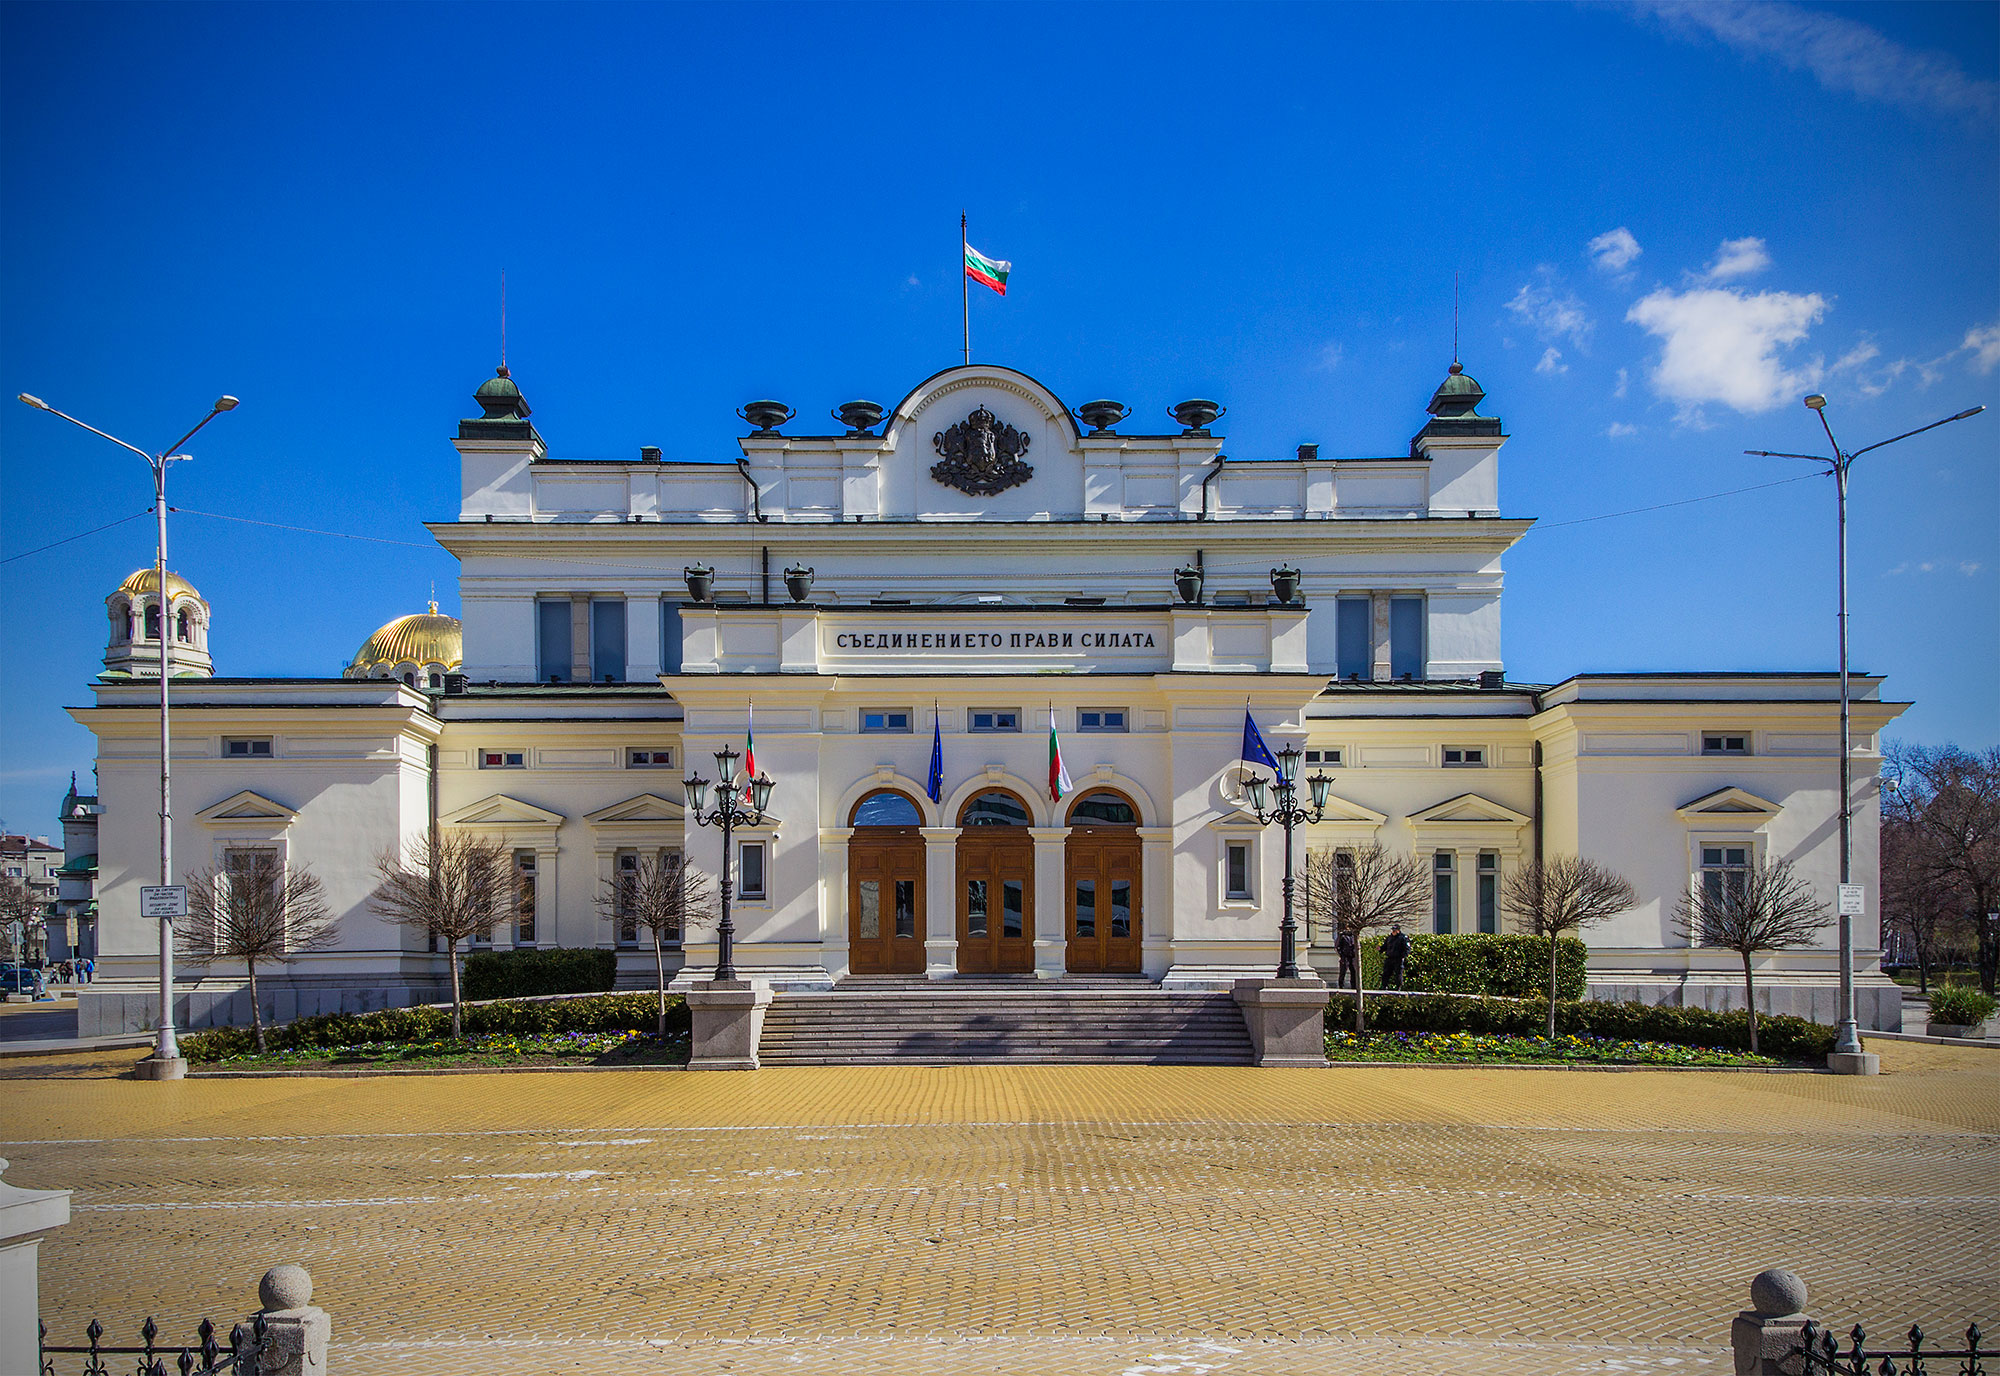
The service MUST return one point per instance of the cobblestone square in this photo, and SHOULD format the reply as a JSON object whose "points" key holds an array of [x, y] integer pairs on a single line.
{"points": [[1104, 1219]]}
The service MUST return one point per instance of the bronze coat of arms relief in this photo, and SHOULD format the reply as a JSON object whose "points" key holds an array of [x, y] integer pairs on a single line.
{"points": [[982, 455]]}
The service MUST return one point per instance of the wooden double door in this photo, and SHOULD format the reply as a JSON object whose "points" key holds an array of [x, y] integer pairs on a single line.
{"points": [[996, 901], [885, 901], [1103, 900]]}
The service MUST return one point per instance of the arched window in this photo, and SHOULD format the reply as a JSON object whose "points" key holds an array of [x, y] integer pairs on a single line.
{"points": [[1102, 809], [437, 679], [131, 624], [409, 678], [994, 809], [887, 808], [184, 625], [153, 621]]}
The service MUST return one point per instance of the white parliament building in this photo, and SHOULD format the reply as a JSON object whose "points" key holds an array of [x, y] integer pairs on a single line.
{"points": [[976, 559]]}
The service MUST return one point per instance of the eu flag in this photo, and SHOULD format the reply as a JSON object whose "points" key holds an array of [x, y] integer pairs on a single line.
{"points": [[935, 787], [1254, 749]]}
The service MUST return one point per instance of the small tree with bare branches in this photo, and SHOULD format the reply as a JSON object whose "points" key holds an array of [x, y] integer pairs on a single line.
{"points": [[255, 907], [450, 885], [1563, 895], [666, 896], [18, 903], [1360, 891], [1764, 908]]}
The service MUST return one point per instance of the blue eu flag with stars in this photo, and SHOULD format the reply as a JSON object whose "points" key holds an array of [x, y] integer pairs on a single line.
{"points": [[935, 786], [1254, 749]]}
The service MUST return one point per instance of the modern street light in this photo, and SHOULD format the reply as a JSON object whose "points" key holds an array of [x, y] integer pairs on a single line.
{"points": [[167, 1051], [1847, 1038], [1288, 814], [729, 813]]}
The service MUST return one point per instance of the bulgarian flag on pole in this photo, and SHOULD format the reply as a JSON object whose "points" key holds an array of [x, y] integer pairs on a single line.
{"points": [[1059, 780], [749, 754], [991, 272]]}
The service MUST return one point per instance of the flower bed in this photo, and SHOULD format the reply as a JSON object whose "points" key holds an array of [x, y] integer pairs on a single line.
{"points": [[488, 1049], [1469, 1048]]}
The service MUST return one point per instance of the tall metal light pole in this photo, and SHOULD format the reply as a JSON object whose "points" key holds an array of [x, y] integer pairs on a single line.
{"points": [[1287, 814], [166, 1051], [730, 812], [1847, 1038]]}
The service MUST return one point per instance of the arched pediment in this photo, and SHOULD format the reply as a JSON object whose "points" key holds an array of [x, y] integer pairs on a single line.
{"points": [[1035, 469], [936, 388]]}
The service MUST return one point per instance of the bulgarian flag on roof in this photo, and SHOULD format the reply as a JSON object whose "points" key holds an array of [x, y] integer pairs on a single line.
{"points": [[749, 755], [990, 272], [1059, 780]]}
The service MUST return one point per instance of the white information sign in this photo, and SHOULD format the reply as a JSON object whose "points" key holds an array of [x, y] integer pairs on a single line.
{"points": [[163, 900], [1853, 901]]}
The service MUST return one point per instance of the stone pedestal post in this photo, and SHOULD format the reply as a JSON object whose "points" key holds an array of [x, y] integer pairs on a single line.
{"points": [[1854, 1062], [1287, 1019], [728, 1019], [1051, 902], [296, 1332], [1765, 1337], [25, 1216]]}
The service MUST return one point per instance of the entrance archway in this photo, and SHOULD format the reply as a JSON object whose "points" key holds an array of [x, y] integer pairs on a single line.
{"points": [[1102, 857], [996, 886], [885, 886]]}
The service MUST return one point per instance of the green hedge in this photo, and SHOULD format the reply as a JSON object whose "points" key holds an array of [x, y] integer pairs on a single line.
{"points": [[526, 974], [1785, 1037], [1511, 966], [598, 1013]]}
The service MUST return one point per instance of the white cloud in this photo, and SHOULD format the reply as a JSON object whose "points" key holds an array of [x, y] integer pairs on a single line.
{"points": [[1552, 363], [1330, 356], [1720, 344], [1970, 567], [1615, 250], [1624, 383], [1984, 342], [1842, 54], [1619, 430], [913, 281], [1738, 258], [1552, 312]]}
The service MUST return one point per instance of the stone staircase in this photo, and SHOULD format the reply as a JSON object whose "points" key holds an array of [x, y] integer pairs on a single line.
{"points": [[1019, 1020]]}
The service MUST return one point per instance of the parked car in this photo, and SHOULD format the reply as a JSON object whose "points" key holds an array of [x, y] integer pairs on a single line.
{"points": [[18, 979]]}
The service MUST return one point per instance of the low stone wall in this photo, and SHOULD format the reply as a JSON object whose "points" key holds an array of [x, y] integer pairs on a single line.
{"points": [[105, 1009], [1878, 1003]]}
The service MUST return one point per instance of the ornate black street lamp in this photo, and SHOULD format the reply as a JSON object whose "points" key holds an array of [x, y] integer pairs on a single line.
{"points": [[1288, 814], [731, 811]]}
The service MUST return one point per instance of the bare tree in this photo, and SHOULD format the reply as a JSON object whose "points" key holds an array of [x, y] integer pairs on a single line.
{"points": [[666, 896], [1553, 898], [1941, 842], [1364, 890], [255, 907], [18, 903], [450, 885], [1764, 908]]}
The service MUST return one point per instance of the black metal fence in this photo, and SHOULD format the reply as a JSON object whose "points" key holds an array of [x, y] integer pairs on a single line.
{"points": [[206, 1356], [1824, 1357]]}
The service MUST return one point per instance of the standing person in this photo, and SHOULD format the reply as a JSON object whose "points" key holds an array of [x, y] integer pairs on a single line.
{"points": [[1394, 950], [1350, 959]]}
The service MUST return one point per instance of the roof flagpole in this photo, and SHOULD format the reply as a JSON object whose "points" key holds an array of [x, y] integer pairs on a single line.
{"points": [[964, 289]]}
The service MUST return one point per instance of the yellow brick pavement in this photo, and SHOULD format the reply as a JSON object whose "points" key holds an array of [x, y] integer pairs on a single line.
{"points": [[1131, 1220]]}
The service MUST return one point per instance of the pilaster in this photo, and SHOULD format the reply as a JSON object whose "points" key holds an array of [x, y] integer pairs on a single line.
{"points": [[940, 902], [1051, 906]]}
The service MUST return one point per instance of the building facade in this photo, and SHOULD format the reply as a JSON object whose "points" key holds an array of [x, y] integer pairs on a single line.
{"points": [[971, 574]]}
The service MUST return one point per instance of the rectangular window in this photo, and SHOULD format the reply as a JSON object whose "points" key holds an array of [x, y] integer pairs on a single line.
{"points": [[1011, 893], [1714, 743], [1354, 635], [1406, 637], [1086, 907], [750, 869], [502, 759], [1489, 892], [1725, 871], [1465, 756], [247, 748], [1101, 719], [871, 910], [553, 633], [882, 721], [994, 719], [649, 758], [670, 636], [975, 907], [906, 907], [1237, 881], [1442, 906], [1330, 758], [624, 902], [524, 898], [607, 640]]}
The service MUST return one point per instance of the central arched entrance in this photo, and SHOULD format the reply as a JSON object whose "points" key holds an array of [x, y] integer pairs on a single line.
{"points": [[996, 886], [1102, 857], [885, 886]]}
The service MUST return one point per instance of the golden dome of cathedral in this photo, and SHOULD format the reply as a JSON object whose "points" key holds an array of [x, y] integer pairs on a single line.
{"points": [[147, 580], [421, 639]]}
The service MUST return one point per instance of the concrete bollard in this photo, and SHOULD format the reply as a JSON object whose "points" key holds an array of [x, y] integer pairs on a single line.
{"points": [[1286, 1019], [1766, 1336], [296, 1332], [728, 1022]]}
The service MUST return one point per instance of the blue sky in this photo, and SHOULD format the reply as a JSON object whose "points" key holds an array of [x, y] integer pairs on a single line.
{"points": [[1669, 223]]}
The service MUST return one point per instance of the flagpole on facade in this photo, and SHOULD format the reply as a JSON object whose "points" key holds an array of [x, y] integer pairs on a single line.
{"points": [[964, 289]]}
